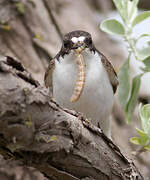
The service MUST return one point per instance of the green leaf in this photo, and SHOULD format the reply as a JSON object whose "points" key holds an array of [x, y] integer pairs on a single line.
{"points": [[141, 17], [120, 5], [124, 84], [143, 35], [145, 69], [140, 132], [147, 61], [127, 9], [144, 114], [112, 26], [135, 2], [144, 139], [133, 97], [148, 43], [132, 10], [144, 52], [135, 140], [146, 34]]}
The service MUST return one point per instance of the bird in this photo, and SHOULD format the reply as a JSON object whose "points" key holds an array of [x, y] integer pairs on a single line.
{"points": [[81, 78]]}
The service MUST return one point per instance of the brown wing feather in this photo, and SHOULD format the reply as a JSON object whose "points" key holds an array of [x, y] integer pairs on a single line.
{"points": [[111, 72], [48, 76]]}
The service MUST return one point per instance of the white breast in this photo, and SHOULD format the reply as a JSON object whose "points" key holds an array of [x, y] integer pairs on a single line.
{"points": [[96, 100]]}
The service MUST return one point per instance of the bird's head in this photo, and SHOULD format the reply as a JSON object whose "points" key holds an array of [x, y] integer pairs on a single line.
{"points": [[77, 41]]}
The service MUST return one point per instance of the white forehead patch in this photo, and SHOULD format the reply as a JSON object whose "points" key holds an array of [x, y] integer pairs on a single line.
{"points": [[81, 38], [75, 39]]}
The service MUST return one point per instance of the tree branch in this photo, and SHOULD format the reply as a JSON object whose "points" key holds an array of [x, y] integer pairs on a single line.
{"points": [[59, 142]]}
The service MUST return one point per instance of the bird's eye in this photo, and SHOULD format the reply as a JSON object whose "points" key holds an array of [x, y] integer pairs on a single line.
{"points": [[67, 44], [88, 41]]}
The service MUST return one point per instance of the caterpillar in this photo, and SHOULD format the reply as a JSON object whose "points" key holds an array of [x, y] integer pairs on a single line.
{"points": [[80, 78]]}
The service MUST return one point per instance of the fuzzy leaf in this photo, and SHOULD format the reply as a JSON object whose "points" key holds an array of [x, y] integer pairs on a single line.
{"points": [[133, 97], [112, 26], [135, 140], [144, 113], [118, 4], [143, 35], [147, 61], [140, 132], [132, 10], [148, 43], [124, 85], [145, 69], [121, 7], [141, 17], [144, 139], [144, 52]]}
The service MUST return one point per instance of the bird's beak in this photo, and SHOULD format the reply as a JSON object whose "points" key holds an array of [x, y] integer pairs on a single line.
{"points": [[80, 48]]}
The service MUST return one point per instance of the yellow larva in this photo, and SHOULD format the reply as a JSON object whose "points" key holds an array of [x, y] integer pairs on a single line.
{"points": [[80, 79]]}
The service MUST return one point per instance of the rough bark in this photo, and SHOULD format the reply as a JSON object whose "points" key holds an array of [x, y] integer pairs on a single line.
{"points": [[58, 142]]}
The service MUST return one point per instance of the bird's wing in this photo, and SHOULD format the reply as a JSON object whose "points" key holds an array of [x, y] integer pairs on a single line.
{"points": [[48, 76], [111, 72]]}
